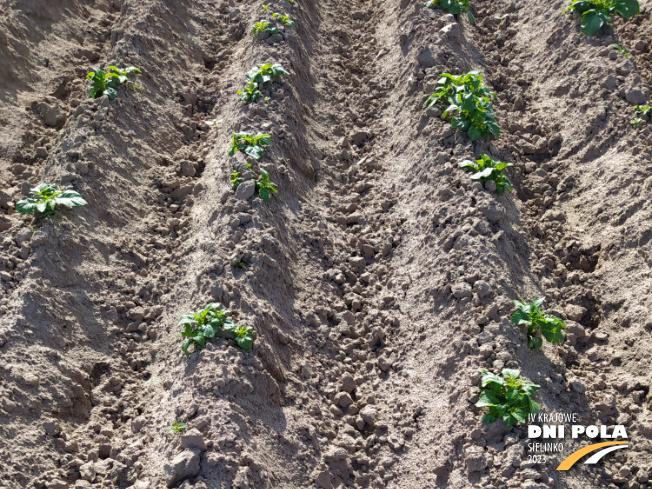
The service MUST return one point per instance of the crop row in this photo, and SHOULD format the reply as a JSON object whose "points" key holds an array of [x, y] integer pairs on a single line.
{"points": [[467, 104], [465, 101]]}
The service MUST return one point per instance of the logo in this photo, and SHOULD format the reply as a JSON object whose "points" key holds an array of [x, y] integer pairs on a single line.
{"points": [[607, 447], [550, 434]]}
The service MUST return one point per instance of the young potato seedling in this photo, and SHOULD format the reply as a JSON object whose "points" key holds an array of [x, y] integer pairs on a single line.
{"points": [[621, 50], [263, 26], [236, 177], [203, 325], [214, 122], [107, 81], [636, 122], [455, 7], [244, 336], [284, 19], [249, 144], [468, 102], [176, 428], [257, 77], [266, 73], [536, 320], [265, 187], [644, 111], [45, 199], [249, 93], [486, 169], [596, 13], [507, 397]]}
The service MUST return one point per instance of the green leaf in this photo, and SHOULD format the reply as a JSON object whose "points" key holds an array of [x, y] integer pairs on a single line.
{"points": [[534, 407], [486, 173], [474, 134], [460, 124], [487, 399], [470, 17], [111, 93], [245, 342], [187, 319], [627, 8], [490, 417], [535, 342], [229, 326], [254, 151], [468, 164], [592, 21], [41, 206], [26, 206], [71, 198], [494, 129], [552, 335], [520, 414], [538, 302], [520, 317], [488, 377], [264, 194], [263, 139], [511, 373]]}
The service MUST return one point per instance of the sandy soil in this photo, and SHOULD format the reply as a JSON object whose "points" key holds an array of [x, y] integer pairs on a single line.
{"points": [[378, 280]]}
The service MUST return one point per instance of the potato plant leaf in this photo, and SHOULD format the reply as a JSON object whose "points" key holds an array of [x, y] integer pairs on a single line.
{"points": [[107, 81], [265, 187], [46, 198], [507, 397], [455, 7], [203, 325], [537, 321], [249, 144], [485, 169], [468, 103], [596, 13]]}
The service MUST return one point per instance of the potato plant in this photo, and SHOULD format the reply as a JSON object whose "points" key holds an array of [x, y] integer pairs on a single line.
{"points": [[621, 50], [202, 326], [259, 76], [263, 26], [250, 92], [455, 7], [107, 81], [467, 102], [249, 144], [596, 13], [236, 177], [537, 321], [46, 198], [284, 19], [243, 335], [266, 73], [508, 397], [264, 187], [176, 428], [485, 169], [645, 113]]}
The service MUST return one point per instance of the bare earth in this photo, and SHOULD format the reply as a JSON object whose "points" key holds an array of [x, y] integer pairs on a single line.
{"points": [[378, 280]]}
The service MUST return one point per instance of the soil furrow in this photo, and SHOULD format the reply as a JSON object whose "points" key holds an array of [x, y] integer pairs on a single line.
{"points": [[378, 280]]}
